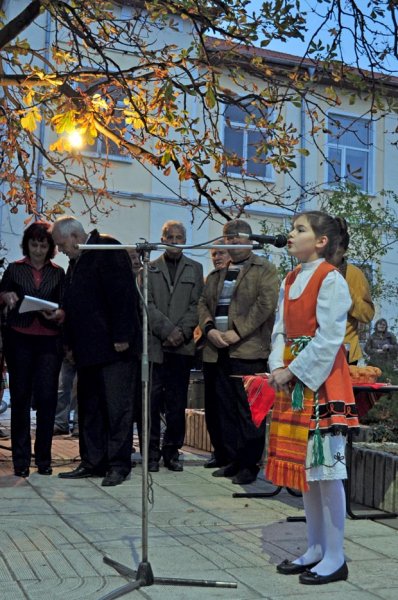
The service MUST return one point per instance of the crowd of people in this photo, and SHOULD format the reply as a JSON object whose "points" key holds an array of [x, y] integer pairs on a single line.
{"points": [[80, 359]]}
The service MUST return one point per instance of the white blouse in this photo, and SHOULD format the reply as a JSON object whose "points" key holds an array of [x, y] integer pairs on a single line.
{"points": [[314, 363]]}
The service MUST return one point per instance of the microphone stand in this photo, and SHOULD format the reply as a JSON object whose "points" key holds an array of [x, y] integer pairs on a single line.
{"points": [[143, 576]]}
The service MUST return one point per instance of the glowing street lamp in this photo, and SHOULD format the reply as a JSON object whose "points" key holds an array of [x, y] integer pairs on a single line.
{"points": [[76, 139]]}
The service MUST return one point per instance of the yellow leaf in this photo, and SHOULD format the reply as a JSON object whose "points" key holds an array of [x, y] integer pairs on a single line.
{"points": [[30, 121], [210, 97], [65, 122], [28, 99], [58, 145]]}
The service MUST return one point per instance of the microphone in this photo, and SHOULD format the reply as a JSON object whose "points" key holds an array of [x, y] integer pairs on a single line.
{"points": [[279, 240]]}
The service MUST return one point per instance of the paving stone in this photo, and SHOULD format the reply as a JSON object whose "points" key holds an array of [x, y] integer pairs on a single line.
{"points": [[55, 534]]}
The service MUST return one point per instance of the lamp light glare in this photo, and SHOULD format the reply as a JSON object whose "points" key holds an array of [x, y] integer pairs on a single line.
{"points": [[75, 139]]}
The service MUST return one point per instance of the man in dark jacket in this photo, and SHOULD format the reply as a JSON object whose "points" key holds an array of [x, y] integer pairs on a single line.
{"points": [[175, 283], [102, 329]]}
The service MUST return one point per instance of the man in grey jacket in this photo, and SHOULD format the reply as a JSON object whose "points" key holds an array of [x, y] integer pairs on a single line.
{"points": [[236, 314], [175, 283]]}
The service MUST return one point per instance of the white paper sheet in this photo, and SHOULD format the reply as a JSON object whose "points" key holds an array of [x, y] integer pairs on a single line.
{"points": [[30, 303]]}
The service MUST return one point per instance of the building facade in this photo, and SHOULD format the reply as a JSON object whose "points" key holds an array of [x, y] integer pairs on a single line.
{"points": [[351, 146]]}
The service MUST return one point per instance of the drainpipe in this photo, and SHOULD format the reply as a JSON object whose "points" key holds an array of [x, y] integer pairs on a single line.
{"points": [[42, 127], [302, 157], [302, 179]]}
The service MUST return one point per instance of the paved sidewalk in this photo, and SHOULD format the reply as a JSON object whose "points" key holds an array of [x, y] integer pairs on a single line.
{"points": [[55, 533]]}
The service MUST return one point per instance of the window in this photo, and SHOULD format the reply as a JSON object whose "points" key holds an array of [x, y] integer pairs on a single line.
{"points": [[103, 146], [106, 147], [241, 140], [349, 151]]}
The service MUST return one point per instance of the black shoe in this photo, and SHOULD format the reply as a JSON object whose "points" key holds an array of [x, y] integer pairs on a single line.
{"points": [[290, 568], [113, 478], [173, 465], [310, 578], [60, 431], [153, 466], [212, 463], [75, 433], [227, 471], [245, 476], [45, 470], [79, 473], [21, 472]]}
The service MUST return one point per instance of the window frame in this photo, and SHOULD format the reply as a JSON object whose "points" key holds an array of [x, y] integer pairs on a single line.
{"points": [[368, 187], [244, 128], [95, 151]]}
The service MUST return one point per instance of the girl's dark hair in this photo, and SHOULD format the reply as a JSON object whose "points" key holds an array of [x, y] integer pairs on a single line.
{"points": [[323, 224], [344, 235], [40, 231]]}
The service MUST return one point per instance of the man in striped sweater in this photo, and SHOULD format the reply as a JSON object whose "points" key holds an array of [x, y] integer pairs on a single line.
{"points": [[236, 314]]}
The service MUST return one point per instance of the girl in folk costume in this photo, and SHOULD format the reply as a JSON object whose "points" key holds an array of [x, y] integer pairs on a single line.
{"points": [[314, 405]]}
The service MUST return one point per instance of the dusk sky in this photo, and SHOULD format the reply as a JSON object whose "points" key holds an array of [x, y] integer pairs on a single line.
{"points": [[315, 11]]}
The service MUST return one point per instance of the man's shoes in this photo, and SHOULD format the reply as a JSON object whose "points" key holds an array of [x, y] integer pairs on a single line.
{"points": [[287, 567], [45, 470], [4, 435], [227, 471], [21, 472], [245, 476], [113, 477], [60, 431], [79, 473], [212, 463], [75, 432], [310, 578], [173, 465], [153, 466]]}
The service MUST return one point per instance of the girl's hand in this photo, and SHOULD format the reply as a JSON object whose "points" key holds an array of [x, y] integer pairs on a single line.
{"points": [[280, 378]]}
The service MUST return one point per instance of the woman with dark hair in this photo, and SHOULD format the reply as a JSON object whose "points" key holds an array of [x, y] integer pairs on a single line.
{"points": [[382, 346], [32, 346]]}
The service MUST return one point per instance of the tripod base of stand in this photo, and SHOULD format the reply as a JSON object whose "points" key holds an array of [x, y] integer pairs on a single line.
{"points": [[275, 492], [257, 494], [144, 577]]}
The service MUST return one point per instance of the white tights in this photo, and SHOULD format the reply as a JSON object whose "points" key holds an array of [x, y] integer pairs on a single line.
{"points": [[325, 509]]}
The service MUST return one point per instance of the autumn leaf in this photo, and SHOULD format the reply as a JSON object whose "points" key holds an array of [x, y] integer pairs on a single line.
{"points": [[303, 151], [58, 145], [210, 97], [65, 122], [30, 120]]}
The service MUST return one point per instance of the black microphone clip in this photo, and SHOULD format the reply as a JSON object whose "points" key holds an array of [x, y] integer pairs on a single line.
{"points": [[279, 241]]}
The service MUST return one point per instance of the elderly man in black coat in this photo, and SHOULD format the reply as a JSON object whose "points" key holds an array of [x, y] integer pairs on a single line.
{"points": [[102, 329]]}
